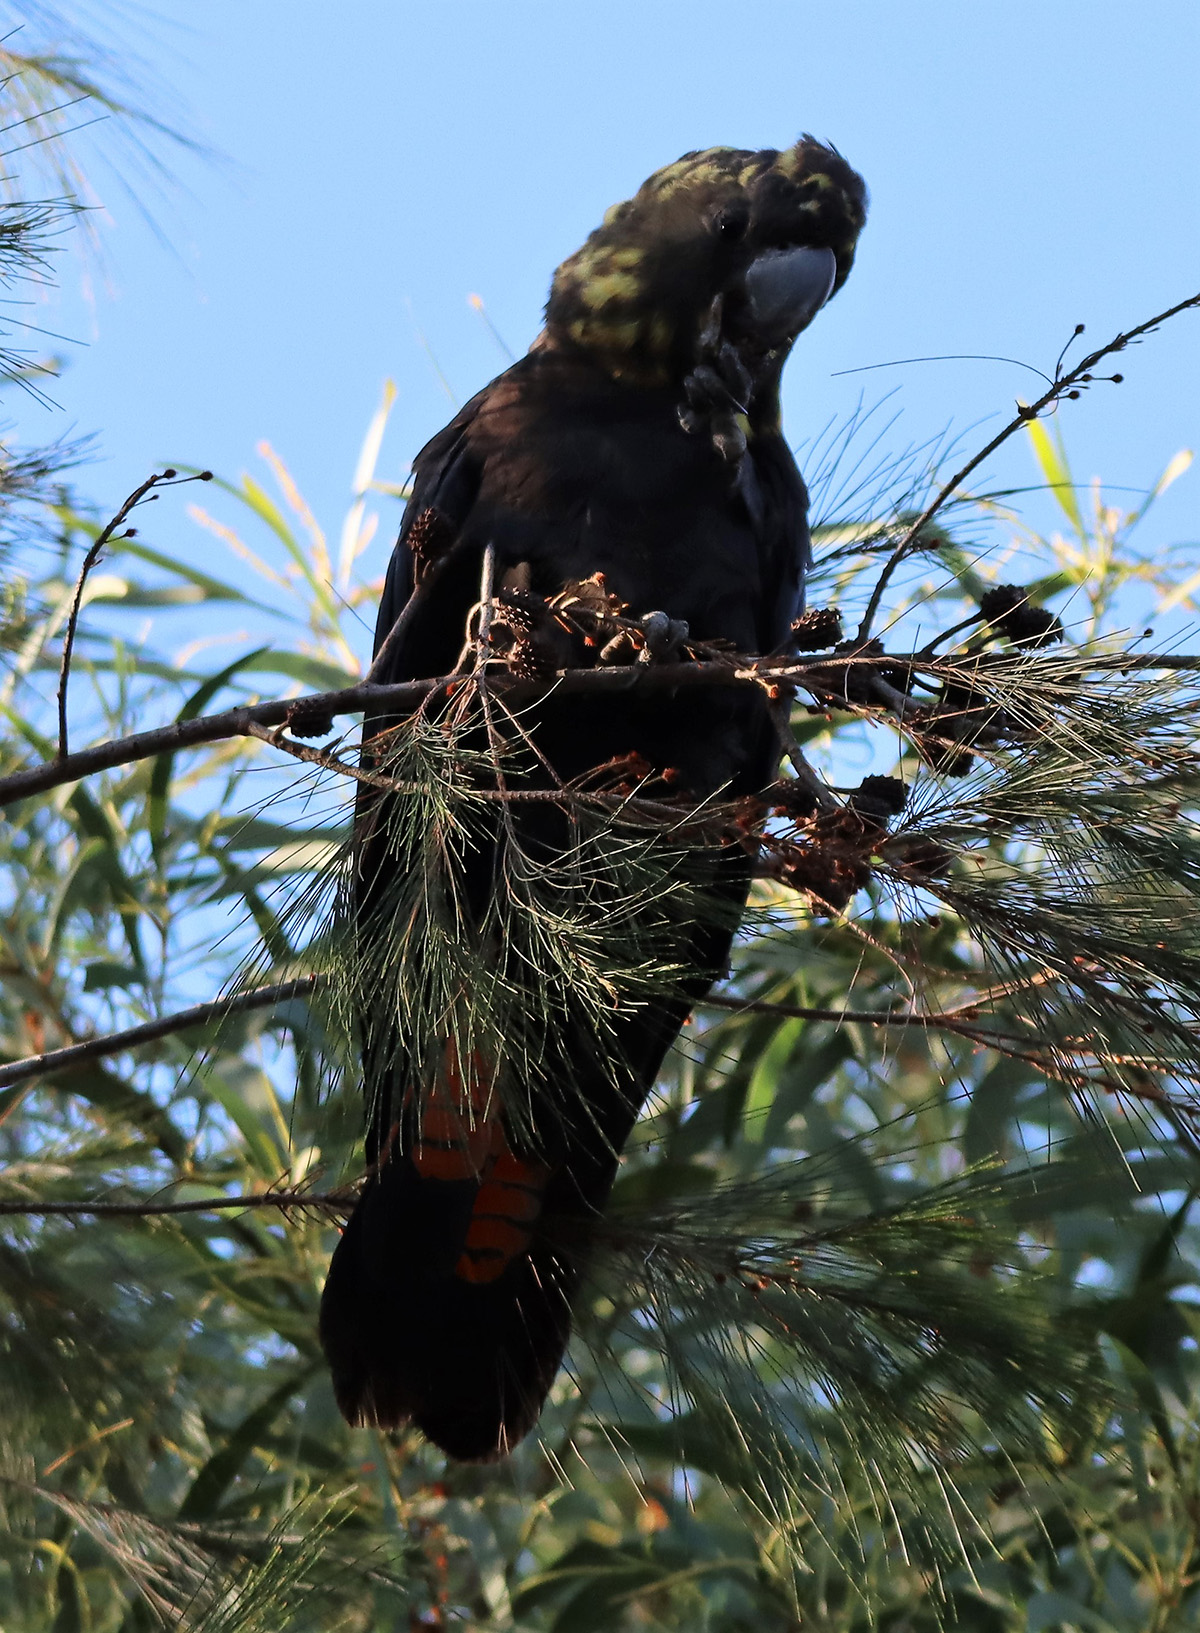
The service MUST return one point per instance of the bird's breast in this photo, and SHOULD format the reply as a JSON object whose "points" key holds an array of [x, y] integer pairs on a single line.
{"points": [[607, 481]]}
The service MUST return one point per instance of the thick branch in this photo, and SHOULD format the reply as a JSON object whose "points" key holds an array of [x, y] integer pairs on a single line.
{"points": [[115, 1043], [402, 697], [817, 674]]}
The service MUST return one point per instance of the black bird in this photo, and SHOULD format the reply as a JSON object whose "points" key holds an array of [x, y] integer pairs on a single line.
{"points": [[640, 439]]}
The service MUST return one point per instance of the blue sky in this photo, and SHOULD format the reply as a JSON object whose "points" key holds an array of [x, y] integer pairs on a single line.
{"points": [[1032, 165]]}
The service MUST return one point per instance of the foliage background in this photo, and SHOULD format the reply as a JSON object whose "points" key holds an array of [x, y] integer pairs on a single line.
{"points": [[170, 1446]]}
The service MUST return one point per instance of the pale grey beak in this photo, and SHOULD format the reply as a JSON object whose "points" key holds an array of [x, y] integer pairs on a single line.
{"points": [[785, 289]]}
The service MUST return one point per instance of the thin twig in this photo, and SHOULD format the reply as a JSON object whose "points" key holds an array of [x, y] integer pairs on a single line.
{"points": [[942, 1020], [1058, 388], [618, 804], [321, 757], [408, 611], [333, 1202], [116, 1043], [167, 478], [1009, 1044], [806, 775], [487, 590], [487, 586]]}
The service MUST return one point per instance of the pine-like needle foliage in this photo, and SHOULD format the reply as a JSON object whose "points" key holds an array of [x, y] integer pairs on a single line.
{"points": [[847, 1328], [821, 1352], [482, 916], [1073, 860]]}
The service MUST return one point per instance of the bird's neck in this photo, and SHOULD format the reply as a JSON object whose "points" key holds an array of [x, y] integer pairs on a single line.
{"points": [[642, 370]]}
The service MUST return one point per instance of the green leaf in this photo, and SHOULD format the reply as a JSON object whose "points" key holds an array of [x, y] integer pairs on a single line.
{"points": [[214, 589], [1051, 457], [226, 1463], [100, 975], [164, 764]]}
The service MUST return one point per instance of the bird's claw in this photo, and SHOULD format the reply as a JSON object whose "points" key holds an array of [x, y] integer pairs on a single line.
{"points": [[717, 394]]}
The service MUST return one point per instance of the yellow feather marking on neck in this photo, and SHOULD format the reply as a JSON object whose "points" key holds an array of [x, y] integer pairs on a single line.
{"points": [[609, 336], [606, 288]]}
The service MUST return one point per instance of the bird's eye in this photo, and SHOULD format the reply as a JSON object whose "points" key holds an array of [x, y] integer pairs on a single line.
{"points": [[731, 222]]}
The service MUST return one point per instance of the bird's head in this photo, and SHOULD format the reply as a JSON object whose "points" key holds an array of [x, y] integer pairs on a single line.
{"points": [[723, 246]]}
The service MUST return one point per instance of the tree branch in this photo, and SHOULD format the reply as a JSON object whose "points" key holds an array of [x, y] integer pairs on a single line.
{"points": [[330, 1202], [167, 478], [945, 1020], [402, 696], [1060, 387], [985, 1037], [814, 674], [115, 1043]]}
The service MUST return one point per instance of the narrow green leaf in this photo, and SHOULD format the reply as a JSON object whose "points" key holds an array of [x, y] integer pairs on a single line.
{"points": [[1051, 457], [226, 1463]]}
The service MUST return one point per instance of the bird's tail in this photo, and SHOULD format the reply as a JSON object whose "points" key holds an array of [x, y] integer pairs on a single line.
{"points": [[448, 1302]]}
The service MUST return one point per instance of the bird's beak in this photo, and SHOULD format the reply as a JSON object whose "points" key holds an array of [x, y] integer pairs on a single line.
{"points": [[785, 289]]}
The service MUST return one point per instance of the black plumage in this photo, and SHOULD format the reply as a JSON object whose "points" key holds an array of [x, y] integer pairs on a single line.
{"points": [[640, 439]]}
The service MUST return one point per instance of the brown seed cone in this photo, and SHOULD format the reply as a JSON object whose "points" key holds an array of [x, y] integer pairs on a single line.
{"points": [[787, 797], [429, 537], [531, 659], [920, 857], [511, 624], [878, 798], [817, 629], [830, 880], [309, 719]]}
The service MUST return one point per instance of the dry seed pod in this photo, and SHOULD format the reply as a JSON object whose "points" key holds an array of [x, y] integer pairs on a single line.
{"points": [[878, 798], [305, 719], [1008, 609], [817, 630], [533, 657], [429, 537], [790, 798]]}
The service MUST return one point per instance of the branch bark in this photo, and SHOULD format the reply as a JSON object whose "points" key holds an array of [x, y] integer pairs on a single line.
{"points": [[115, 1043], [333, 1202], [405, 696]]}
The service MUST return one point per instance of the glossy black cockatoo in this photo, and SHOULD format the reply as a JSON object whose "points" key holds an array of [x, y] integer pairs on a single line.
{"points": [[639, 439]]}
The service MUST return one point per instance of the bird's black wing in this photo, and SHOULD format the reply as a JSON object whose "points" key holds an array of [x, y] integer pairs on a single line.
{"points": [[446, 478], [414, 1321], [448, 1298]]}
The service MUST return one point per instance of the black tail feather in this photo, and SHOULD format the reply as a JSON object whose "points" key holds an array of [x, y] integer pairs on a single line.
{"points": [[408, 1339]]}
